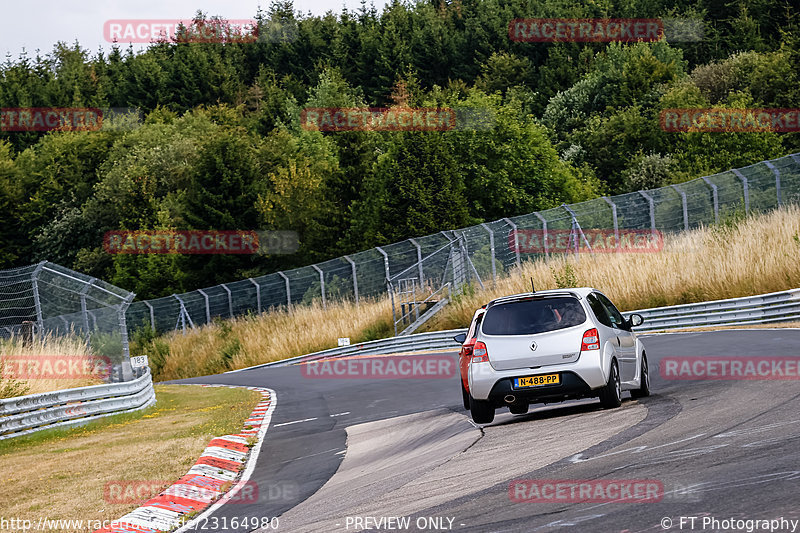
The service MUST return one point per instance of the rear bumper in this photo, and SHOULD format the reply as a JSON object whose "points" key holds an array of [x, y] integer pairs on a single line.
{"points": [[571, 386], [579, 379]]}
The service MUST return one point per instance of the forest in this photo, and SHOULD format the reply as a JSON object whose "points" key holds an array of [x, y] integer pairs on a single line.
{"points": [[222, 141]]}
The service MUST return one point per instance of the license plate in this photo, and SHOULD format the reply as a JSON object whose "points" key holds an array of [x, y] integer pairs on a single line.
{"points": [[537, 381]]}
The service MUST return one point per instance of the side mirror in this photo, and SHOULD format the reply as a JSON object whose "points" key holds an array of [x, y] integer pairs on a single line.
{"points": [[635, 320], [460, 338]]}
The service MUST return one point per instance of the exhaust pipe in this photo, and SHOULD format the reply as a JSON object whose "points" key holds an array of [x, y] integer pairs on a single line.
{"points": [[510, 398]]}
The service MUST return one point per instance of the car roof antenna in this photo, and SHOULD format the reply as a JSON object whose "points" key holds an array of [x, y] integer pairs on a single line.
{"points": [[533, 289]]}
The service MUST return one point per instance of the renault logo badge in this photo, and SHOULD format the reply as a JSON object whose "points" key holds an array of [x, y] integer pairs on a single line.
{"points": [[533, 346]]}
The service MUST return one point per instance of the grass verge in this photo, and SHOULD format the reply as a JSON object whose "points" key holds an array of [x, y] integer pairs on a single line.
{"points": [[739, 257], [61, 474]]}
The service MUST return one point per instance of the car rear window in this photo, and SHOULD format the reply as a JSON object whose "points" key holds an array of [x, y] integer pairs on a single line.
{"points": [[528, 317]]}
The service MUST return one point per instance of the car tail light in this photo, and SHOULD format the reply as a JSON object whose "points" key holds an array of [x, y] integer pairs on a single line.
{"points": [[468, 349], [591, 340], [479, 353]]}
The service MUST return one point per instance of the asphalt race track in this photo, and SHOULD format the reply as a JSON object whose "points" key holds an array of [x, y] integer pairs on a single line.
{"points": [[347, 454]]}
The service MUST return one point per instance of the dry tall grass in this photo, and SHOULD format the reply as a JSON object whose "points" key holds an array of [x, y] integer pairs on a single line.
{"points": [[14, 352], [739, 258], [251, 340]]}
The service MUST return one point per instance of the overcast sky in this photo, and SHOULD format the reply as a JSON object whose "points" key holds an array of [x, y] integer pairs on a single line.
{"points": [[39, 24]]}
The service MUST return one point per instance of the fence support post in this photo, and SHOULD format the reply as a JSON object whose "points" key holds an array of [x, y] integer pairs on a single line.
{"points": [[127, 370], [652, 212], [183, 316], [230, 300], [36, 301], [355, 278], [745, 188], [465, 254], [614, 218], [576, 230], [775, 171], [419, 262], [152, 315], [516, 240], [385, 261], [288, 290], [715, 196], [321, 285], [208, 309], [84, 309], [545, 236], [258, 294], [685, 206], [491, 250]]}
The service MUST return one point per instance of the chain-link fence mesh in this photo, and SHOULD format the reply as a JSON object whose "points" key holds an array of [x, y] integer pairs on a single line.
{"points": [[49, 300], [481, 253]]}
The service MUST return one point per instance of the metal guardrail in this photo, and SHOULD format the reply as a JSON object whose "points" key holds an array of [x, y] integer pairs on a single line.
{"points": [[762, 309], [35, 412], [435, 340], [765, 308]]}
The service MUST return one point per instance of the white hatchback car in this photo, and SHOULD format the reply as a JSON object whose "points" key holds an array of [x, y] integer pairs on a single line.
{"points": [[552, 346]]}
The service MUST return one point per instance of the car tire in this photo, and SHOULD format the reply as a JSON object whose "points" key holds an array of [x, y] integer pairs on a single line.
{"points": [[644, 389], [518, 408], [465, 396], [482, 411], [611, 393]]}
